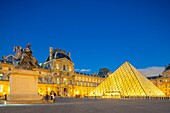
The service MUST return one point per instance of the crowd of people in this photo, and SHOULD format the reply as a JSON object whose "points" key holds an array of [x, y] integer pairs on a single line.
{"points": [[51, 97]]}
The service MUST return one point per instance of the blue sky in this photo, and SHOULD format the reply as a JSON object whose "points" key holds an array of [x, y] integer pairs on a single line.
{"points": [[98, 33]]}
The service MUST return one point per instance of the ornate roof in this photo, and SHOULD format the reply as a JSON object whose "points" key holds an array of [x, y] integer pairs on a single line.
{"points": [[57, 55], [167, 68]]}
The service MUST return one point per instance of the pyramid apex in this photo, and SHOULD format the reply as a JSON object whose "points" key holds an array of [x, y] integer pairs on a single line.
{"points": [[126, 62]]}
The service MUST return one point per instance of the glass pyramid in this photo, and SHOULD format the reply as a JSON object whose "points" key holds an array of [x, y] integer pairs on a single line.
{"points": [[126, 81]]}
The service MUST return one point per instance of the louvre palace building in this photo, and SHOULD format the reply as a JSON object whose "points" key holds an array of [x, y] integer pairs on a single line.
{"points": [[57, 75]]}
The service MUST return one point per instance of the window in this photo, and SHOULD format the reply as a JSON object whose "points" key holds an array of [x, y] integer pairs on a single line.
{"points": [[82, 78], [1, 76], [76, 78], [64, 67], [57, 66], [70, 68], [58, 81], [9, 69], [65, 81], [86, 79], [70, 81], [54, 66], [0, 68], [91, 84], [1, 88], [79, 83], [88, 84], [39, 80], [165, 85]]}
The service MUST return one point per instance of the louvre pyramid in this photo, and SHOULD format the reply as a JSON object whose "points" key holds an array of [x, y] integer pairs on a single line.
{"points": [[127, 81]]}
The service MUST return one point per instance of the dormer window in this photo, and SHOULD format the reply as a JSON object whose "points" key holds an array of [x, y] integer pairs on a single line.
{"points": [[64, 67], [57, 66]]}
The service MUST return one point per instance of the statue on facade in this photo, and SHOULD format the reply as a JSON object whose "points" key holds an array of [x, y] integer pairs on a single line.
{"points": [[24, 58]]}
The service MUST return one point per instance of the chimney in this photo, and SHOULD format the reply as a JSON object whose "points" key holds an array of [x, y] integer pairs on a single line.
{"points": [[69, 54], [51, 52]]}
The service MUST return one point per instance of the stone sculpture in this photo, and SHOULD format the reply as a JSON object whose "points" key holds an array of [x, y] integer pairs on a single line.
{"points": [[23, 58]]}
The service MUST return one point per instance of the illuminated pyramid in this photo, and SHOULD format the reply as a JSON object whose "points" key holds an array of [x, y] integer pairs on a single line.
{"points": [[126, 81]]}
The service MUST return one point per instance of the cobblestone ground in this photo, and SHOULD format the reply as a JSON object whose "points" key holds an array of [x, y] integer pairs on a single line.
{"points": [[91, 106]]}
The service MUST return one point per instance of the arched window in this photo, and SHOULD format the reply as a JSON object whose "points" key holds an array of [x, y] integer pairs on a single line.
{"points": [[57, 66]]}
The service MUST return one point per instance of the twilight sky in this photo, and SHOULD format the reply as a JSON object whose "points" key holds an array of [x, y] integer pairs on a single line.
{"points": [[98, 33]]}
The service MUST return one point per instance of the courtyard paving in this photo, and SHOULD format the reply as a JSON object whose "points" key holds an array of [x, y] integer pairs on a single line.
{"points": [[67, 105]]}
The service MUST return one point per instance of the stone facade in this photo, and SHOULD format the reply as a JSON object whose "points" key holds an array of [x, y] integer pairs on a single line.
{"points": [[55, 75], [163, 82]]}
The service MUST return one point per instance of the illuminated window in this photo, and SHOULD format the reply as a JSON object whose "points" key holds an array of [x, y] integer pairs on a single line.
{"points": [[57, 66], [91, 84], [65, 81], [58, 81], [79, 78], [70, 68], [86, 79], [76, 78], [79, 83], [1, 88], [1, 76]]}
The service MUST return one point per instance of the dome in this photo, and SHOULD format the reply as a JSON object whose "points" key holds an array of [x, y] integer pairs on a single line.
{"points": [[57, 55]]}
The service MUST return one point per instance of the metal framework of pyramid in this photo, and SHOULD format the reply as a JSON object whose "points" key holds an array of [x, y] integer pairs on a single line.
{"points": [[127, 81]]}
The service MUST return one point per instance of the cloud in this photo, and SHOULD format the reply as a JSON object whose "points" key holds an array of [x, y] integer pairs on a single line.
{"points": [[76, 69], [152, 71], [85, 70]]}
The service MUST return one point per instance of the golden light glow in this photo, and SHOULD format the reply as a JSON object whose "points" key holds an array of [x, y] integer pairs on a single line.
{"points": [[48, 89], [126, 81], [77, 92], [1, 88]]}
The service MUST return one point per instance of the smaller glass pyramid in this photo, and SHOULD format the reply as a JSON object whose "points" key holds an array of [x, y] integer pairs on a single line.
{"points": [[126, 81]]}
